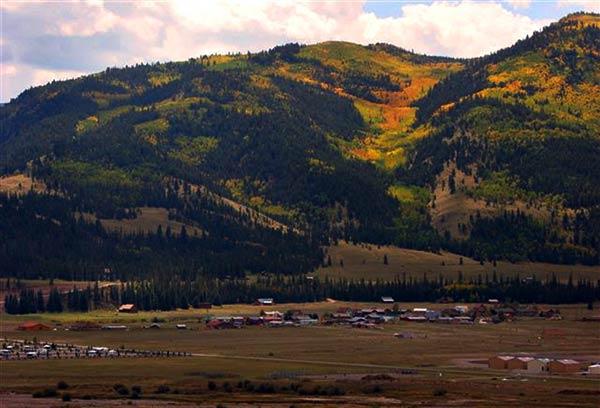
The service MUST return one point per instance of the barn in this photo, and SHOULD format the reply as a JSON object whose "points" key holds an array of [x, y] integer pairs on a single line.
{"points": [[499, 362], [518, 363], [564, 366]]}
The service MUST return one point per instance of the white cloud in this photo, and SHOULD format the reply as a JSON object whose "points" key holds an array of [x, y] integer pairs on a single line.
{"points": [[519, 4], [52, 40], [587, 5]]}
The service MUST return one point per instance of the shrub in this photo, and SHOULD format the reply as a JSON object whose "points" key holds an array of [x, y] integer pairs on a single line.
{"points": [[66, 397], [440, 392], [136, 388], [212, 385], [121, 389], [162, 389], [62, 385], [45, 393], [374, 389]]}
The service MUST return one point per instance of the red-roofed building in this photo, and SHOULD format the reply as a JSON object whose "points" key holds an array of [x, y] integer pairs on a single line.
{"points": [[33, 326]]}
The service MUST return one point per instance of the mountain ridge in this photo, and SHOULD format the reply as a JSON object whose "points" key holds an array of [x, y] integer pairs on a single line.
{"points": [[338, 140]]}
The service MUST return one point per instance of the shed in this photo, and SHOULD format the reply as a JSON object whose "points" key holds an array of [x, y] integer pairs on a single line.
{"points": [[128, 308], [594, 369], [33, 326], [499, 362], [564, 366]]}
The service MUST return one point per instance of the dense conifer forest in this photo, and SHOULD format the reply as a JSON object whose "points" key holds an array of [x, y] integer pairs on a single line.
{"points": [[328, 141]]}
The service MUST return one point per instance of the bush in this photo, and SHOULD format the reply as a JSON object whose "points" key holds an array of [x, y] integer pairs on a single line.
{"points": [[121, 389], [62, 385], [212, 385], [136, 388], [45, 393], [375, 389], [66, 397], [440, 392], [162, 389]]}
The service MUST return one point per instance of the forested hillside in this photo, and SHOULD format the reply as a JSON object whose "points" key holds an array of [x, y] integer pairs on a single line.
{"points": [[328, 141]]}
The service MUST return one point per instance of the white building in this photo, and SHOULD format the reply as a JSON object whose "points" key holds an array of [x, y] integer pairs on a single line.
{"points": [[594, 369], [538, 365]]}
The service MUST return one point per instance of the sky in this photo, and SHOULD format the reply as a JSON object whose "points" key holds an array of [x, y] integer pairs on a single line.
{"points": [[46, 40]]}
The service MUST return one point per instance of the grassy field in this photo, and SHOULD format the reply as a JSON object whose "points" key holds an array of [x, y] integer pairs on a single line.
{"points": [[439, 357], [366, 261]]}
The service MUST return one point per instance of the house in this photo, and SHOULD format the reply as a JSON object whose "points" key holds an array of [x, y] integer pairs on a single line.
{"points": [[538, 365], [32, 326], [218, 324], [493, 301], [128, 308], [264, 302], [432, 314], [518, 363], [274, 314], [255, 321], [181, 326], [564, 366], [499, 362], [594, 369], [308, 322], [462, 309], [387, 299]]}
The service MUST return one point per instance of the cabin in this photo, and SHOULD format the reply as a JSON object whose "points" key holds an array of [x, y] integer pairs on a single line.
{"points": [[33, 326], [387, 299], [564, 366], [128, 308], [499, 362]]}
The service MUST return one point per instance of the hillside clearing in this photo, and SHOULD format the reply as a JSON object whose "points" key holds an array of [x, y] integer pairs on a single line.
{"points": [[366, 261]]}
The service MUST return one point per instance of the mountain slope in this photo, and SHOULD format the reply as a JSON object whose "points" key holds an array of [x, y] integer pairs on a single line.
{"points": [[333, 140], [519, 130]]}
